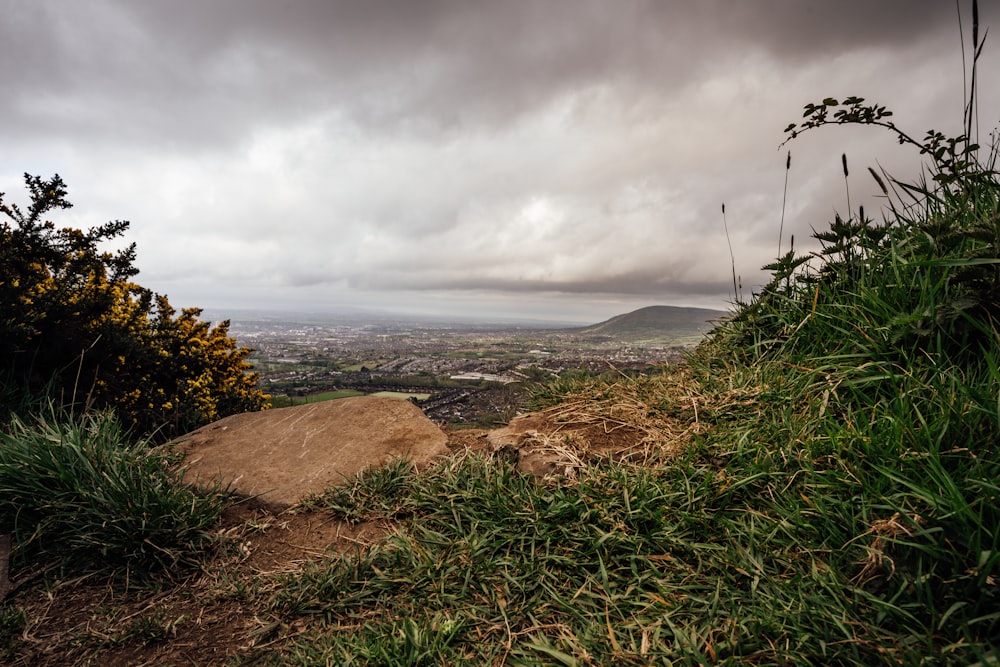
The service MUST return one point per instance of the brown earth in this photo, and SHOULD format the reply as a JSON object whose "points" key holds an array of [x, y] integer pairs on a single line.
{"points": [[214, 617], [207, 619]]}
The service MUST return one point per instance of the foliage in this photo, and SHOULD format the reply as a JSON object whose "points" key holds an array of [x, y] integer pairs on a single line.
{"points": [[73, 490], [840, 507], [954, 159], [879, 422], [75, 328]]}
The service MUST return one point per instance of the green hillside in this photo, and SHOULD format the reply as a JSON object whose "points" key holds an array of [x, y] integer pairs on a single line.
{"points": [[659, 322]]}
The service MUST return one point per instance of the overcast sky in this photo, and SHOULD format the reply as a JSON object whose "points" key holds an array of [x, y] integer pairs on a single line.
{"points": [[555, 159]]}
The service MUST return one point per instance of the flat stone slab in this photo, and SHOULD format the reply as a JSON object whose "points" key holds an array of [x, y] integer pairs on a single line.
{"points": [[282, 455]]}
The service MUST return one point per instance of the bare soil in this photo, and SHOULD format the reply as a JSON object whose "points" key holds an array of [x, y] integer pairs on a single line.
{"points": [[214, 616]]}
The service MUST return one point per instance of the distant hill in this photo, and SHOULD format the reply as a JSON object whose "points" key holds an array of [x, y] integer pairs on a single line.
{"points": [[657, 322]]}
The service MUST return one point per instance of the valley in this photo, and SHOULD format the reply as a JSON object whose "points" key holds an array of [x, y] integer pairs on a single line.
{"points": [[459, 373]]}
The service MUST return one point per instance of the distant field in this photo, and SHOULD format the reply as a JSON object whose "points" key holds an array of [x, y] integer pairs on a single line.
{"points": [[326, 396], [402, 394], [348, 393]]}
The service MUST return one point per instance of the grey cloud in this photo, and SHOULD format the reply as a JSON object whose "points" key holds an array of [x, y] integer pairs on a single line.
{"points": [[398, 147], [200, 71], [647, 283], [791, 28]]}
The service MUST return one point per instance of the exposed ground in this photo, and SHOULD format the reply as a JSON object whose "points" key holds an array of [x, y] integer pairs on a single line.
{"points": [[218, 615], [203, 619]]}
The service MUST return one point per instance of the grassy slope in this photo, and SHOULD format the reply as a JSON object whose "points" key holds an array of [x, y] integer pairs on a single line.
{"points": [[839, 505], [836, 501], [657, 322]]}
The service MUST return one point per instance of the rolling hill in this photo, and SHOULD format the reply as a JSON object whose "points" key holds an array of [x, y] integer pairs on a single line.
{"points": [[656, 322]]}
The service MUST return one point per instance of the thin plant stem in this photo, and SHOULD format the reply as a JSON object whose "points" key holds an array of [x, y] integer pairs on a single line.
{"points": [[961, 42], [847, 185], [784, 201], [732, 256]]}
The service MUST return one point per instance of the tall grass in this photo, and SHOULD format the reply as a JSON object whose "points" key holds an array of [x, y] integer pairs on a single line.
{"points": [[880, 368], [77, 490], [839, 504]]}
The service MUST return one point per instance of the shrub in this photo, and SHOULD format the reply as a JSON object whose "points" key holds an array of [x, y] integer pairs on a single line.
{"points": [[76, 329]]}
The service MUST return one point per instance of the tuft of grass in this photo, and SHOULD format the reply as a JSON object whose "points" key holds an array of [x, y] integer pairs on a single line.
{"points": [[75, 490], [12, 624], [628, 565], [379, 493]]}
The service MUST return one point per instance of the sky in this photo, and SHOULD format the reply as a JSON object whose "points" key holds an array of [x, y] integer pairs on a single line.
{"points": [[562, 160]]}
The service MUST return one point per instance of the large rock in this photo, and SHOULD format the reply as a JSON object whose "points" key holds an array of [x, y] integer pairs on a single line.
{"points": [[284, 454]]}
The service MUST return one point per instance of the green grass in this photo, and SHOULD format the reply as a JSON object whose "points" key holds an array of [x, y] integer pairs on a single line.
{"points": [[489, 566], [79, 491], [839, 505], [287, 401], [325, 396], [404, 395]]}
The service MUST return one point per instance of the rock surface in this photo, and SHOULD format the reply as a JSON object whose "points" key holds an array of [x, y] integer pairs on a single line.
{"points": [[282, 455]]}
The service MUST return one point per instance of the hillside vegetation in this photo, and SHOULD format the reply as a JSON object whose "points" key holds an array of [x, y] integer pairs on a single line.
{"points": [[820, 486], [657, 322], [76, 331]]}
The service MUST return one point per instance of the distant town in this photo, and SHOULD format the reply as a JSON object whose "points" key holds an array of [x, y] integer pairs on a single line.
{"points": [[459, 373]]}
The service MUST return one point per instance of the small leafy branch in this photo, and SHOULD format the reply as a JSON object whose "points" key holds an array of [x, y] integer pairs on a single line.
{"points": [[954, 157]]}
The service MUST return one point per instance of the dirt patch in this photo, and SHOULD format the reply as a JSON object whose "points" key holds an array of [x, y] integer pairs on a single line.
{"points": [[558, 442], [286, 542], [212, 617], [545, 428], [218, 615], [474, 439], [88, 622]]}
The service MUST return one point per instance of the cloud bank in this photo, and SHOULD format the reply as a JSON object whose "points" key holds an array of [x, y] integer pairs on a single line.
{"points": [[565, 159]]}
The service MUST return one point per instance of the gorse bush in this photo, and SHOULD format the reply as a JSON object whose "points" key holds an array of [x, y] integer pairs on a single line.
{"points": [[75, 329], [74, 490]]}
